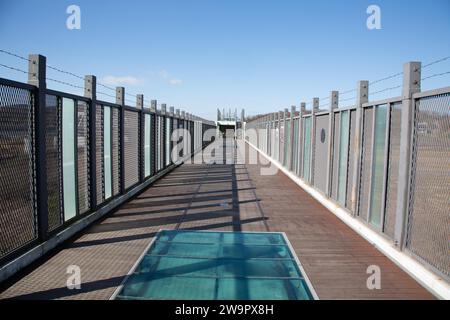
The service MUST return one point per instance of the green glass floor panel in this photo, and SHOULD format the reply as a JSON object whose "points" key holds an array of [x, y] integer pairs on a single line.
{"points": [[222, 237], [187, 237], [259, 268], [200, 265], [212, 251], [165, 266], [144, 286], [262, 289]]}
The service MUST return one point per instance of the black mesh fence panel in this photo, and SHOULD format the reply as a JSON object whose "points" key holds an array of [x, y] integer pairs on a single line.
{"points": [[175, 142], [99, 166], [153, 133], [163, 143], [70, 170], [17, 206], [194, 136], [157, 143], [131, 148], [429, 220], [53, 158], [160, 143], [83, 156], [168, 141], [115, 152]]}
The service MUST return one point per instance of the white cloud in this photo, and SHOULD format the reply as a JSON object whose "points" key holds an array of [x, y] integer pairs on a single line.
{"points": [[125, 80], [164, 74], [169, 79], [175, 82]]}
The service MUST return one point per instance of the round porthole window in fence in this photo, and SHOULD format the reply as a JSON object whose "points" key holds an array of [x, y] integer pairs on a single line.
{"points": [[322, 135]]}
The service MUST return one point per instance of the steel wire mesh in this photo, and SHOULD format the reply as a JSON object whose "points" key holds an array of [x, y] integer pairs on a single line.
{"points": [[131, 148], [17, 205], [429, 220]]}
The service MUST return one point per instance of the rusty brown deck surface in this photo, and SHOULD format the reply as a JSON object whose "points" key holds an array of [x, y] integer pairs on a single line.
{"points": [[217, 197]]}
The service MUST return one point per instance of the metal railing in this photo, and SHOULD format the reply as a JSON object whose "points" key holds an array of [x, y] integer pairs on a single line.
{"points": [[386, 162], [63, 157]]}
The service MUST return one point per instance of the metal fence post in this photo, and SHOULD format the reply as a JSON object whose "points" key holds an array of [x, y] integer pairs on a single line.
{"points": [[302, 111], [153, 108], [36, 77], [280, 121], [191, 117], [314, 110], [189, 133], [276, 140], [334, 102], [285, 134], [183, 134], [141, 130], [362, 97], [264, 132], [90, 91], [243, 123], [291, 139], [163, 133], [172, 115], [411, 85], [270, 128], [120, 100], [177, 115], [260, 133]]}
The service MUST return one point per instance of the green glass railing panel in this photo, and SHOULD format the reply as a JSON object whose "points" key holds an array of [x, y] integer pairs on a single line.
{"points": [[68, 158], [378, 166]]}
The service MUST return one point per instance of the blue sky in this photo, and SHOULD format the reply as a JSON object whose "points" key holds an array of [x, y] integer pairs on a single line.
{"points": [[198, 55]]}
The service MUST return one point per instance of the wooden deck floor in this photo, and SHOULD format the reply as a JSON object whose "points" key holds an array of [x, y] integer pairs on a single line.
{"points": [[217, 197]]}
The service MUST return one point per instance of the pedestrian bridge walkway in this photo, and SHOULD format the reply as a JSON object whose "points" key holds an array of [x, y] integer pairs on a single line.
{"points": [[88, 183], [230, 197]]}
